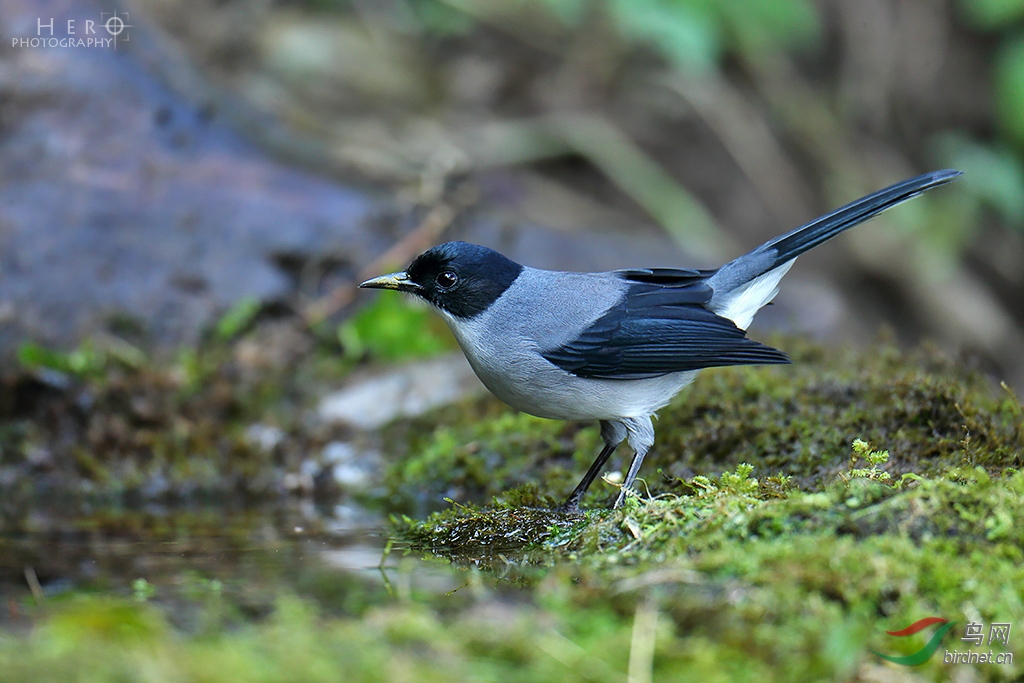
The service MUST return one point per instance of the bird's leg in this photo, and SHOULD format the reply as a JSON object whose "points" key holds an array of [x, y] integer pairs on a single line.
{"points": [[634, 468], [572, 503], [613, 433], [641, 437]]}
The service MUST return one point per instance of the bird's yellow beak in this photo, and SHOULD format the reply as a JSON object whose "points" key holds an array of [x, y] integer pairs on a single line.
{"points": [[399, 281]]}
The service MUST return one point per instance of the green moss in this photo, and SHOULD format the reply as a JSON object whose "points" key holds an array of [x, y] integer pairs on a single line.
{"points": [[800, 587], [487, 451], [794, 424], [800, 513], [807, 434], [394, 327], [777, 606], [108, 420]]}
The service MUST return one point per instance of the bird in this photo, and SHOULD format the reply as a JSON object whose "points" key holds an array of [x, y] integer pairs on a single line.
{"points": [[615, 346]]}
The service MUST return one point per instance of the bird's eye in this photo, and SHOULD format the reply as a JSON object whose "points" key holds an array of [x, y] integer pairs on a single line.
{"points": [[446, 279]]}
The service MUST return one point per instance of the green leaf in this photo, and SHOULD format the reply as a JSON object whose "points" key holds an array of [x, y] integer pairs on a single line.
{"points": [[992, 14], [84, 361], [237, 318], [993, 174], [1009, 86], [441, 18], [33, 356], [754, 25], [569, 12], [686, 33], [142, 590], [394, 327]]}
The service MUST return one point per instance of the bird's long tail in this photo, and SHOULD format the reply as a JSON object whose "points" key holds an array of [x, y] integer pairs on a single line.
{"points": [[745, 284], [808, 236]]}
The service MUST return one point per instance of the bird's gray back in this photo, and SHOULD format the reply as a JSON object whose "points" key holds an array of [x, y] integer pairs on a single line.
{"points": [[505, 342], [520, 324], [581, 299]]}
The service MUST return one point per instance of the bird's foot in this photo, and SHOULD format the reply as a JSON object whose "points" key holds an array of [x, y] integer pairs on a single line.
{"points": [[570, 507]]}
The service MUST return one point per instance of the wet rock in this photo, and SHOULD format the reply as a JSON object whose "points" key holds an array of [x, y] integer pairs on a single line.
{"points": [[156, 486], [401, 392], [297, 482], [122, 201], [351, 468], [339, 452], [39, 458], [266, 437]]}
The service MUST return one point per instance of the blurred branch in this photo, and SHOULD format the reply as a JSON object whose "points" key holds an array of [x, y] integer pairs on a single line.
{"points": [[519, 142], [425, 235], [955, 300], [167, 60], [509, 19], [601, 143], [750, 141], [513, 142], [394, 158], [646, 182], [34, 586]]}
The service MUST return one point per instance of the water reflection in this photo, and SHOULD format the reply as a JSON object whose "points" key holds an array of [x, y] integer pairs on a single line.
{"points": [[208, 563]]}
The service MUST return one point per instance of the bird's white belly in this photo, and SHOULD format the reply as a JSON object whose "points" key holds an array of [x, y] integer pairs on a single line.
{"points": [[512, 370], [568, 397]]}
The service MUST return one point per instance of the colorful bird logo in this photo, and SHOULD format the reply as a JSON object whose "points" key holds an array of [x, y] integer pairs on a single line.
{"points": [[922, 655]]}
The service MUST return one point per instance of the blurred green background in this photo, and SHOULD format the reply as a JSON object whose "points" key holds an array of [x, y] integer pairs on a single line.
{"points": [[719, 124], [193, 516]]}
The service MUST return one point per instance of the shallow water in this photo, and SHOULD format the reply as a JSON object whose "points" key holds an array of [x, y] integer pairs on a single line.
{"points": [[229, 560]]}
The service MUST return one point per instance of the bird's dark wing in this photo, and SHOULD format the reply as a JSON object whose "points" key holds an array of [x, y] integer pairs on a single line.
{"points": [[660, 326], [670, 277]]}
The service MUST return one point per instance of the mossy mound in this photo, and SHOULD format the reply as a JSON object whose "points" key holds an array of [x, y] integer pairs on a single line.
{"points": [[788, 518], [776, 543], [794, 422]]}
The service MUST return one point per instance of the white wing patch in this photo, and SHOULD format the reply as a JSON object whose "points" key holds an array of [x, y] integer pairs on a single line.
{"points": [[742, 303]]}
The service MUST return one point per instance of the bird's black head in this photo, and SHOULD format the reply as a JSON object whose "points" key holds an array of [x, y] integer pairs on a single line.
{"points": [[461, 278]]}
